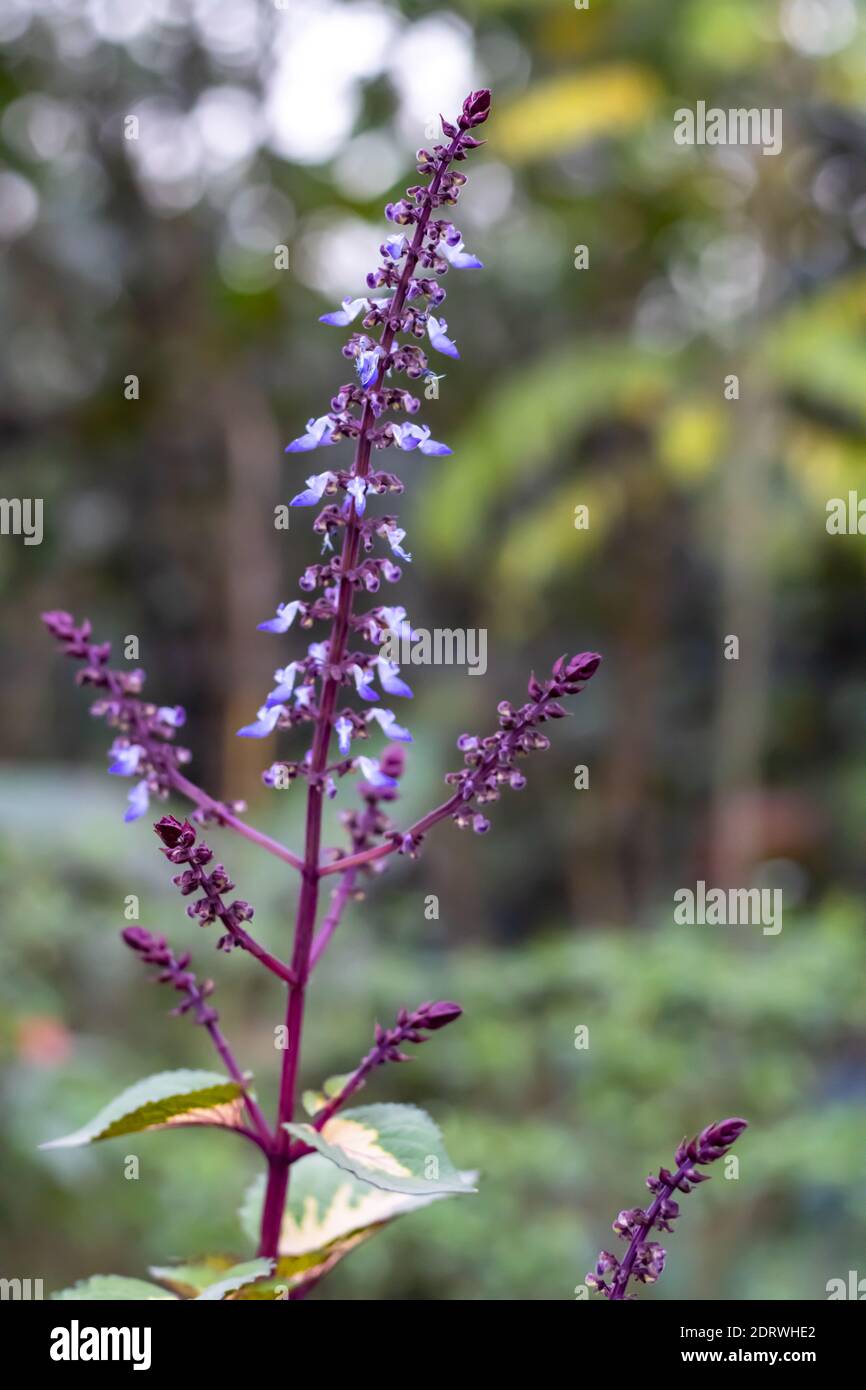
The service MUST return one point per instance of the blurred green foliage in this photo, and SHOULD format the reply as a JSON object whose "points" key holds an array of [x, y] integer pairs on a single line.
{"points": [[684, 1026]]}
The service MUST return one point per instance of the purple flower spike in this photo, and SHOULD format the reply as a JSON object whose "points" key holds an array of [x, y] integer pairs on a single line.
{"points": [[342, 317], [319, 433], [436, 331], [645, 1259], [264, 724], [319, 696], [139, 802], [387, 721], [286, 614]]}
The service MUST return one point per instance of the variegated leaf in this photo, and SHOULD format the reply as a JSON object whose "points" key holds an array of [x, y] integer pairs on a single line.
{"points": [[190, 1279], [237, 1279], [327, 1206], [158, 1102], [395, 1147], [114, 1288]]}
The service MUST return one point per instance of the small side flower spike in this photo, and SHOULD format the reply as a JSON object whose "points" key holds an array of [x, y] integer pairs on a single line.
{"points": [[645, 1259]]}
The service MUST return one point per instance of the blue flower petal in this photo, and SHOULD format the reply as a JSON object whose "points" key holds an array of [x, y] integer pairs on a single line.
{"points": [[438, 339], [264, 724], [139, 802]]}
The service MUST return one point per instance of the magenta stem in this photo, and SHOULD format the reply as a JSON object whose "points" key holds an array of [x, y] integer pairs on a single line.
{"points": [[623, 1274], [340, 899], [308, 901], [260, 1124], [224, 816]]}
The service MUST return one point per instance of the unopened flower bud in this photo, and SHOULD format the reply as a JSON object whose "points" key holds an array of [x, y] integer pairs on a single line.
{"points": [[439, 1014]]}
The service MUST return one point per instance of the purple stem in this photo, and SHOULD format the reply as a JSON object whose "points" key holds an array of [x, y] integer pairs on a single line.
{"points": [[263, 1136], [224, 816], [367, 856], [305, 921], [623, 1274], [340, 899]]}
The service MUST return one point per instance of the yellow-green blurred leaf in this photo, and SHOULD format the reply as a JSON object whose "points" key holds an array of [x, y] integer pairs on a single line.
{"points": [[567, 110]]}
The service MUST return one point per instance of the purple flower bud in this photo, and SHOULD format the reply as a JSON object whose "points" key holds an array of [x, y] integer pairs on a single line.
{"points": [[476, 109], [437, 1015], [582, 666], [175, 834], [393, 761], [139, 939]]}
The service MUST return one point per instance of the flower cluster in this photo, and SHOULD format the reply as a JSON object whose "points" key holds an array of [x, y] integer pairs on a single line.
{"points": [[376, 413], [491, 762], [173, 970], [410, 1027], [143, 747], [179, 847], [423, 247], [645, 1259]]}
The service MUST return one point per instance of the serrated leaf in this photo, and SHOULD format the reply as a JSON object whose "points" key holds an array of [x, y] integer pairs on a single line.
{"points": [[157, 1102], [238, 1278], [328, 1214], [114, 1288], [395, 1147], [292, 1272], [327, 1205], [190, 1279]]}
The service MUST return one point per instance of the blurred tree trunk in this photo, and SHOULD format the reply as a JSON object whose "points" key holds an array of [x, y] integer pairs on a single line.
{"points": [[739, 741], [252, 570]]}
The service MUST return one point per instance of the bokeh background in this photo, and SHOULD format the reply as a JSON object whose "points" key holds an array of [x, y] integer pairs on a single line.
{"points": [[291, 124]]}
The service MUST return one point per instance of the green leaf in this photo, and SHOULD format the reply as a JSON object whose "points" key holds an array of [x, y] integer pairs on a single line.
{"points": [[571, 108], [313, 1101], [525, 426], [239, 1277], [334, 1084], [113, 1288], [394, 1147], [292, 1272], [327, 1205], [190, 1279], [328, 1214], [157, 1102]]}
